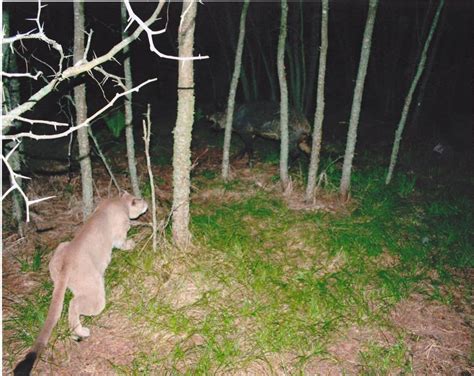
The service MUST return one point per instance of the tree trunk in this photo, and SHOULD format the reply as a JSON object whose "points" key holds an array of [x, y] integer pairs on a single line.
{"points": [[413, 124], [183, 129], [232, 92], [357, 100], [283, 96], [408, 99], [244, 80], [81, 114], [132, 162], [319, 113], [10, 100]]}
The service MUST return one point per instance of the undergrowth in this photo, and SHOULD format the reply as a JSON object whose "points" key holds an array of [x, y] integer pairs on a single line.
{"points": [[262, 279]]}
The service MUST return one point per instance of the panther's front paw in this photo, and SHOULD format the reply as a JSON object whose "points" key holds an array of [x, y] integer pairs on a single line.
{"points": [[128, 245]]}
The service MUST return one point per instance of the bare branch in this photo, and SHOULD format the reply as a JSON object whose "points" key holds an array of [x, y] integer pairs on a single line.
{"points": [[22, 75], [40, 35], [35, 121], [15, 186], [81, 125], [150, 33], [118, 80], [74, 70], [88, 44], [146, 139]]}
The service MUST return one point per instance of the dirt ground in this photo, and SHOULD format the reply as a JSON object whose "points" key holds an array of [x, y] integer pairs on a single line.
{"points": [[439, 336]]}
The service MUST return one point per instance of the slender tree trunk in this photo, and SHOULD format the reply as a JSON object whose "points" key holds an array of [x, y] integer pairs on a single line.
{"points": [[357, 100], [283, 96], [132, 162], [319, 113], [183, 128], [11, 100], [244, 80], [232, 92], [413, 125], [408, 99], [81, 114]]}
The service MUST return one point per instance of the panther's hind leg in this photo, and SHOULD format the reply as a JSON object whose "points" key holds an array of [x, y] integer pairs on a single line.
{"points": [[89, 304]]}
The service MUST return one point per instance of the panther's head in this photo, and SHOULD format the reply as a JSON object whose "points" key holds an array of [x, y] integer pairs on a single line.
{"points": [[136, 206]]}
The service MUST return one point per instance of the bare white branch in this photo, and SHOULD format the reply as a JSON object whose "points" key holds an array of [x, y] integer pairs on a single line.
{"points": [[35, 121], [81, 125], [146, 139], [88, 44], [150, 33], [183, 15], [40, 35], [22, 75], [71, 71], [15, 186], [119, 81]]}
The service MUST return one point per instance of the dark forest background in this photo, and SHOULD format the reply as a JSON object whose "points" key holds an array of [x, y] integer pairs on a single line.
{"points": [[400, 30]]}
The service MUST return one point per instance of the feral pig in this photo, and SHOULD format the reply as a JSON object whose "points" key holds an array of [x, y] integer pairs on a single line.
{"points": [[263, 119]]}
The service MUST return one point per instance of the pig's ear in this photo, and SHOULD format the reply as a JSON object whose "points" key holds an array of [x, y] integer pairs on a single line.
{"points": [[124, 193]]}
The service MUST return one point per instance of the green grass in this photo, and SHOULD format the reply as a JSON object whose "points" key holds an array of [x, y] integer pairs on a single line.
{"points": [[32, 263], [382, 360], [263, 279]]}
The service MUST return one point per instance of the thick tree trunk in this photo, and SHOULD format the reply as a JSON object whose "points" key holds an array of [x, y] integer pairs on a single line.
{"points": [[283, 96], [11, 99], [132, 162], [408, 99], [232, 92], [319, 113], [183, 128], [81, 114], [357, 100]]}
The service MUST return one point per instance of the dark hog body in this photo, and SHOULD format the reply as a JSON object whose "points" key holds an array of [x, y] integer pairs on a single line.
{"points": [[262, 119]]}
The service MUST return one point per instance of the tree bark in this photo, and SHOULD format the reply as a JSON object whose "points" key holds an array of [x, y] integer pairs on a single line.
{"points": [[408, 99], [244, 80], [81, 114], [183, 129], [319, 113], [232, 92], [357, 100], [283, 96], [132, 162]]}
